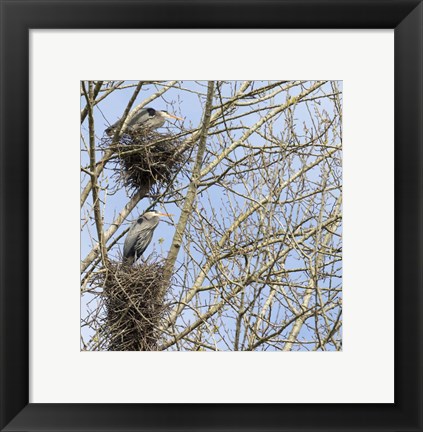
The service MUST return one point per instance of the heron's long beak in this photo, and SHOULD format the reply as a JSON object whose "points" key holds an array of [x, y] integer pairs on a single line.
{"points": [[173, 116], [164, 214]]}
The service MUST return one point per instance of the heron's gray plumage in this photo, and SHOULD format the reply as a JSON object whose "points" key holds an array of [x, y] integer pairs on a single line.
{"points": [[139, 236], [145, 118]]}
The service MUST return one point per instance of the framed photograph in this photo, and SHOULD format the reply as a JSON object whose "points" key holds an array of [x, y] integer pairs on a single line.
{"points": [[241, 216]]}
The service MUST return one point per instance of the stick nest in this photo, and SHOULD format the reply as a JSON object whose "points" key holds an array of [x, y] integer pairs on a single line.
{"points": [[133, 303], [147, 158]]}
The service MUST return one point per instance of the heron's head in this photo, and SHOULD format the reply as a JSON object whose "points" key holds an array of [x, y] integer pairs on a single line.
{"points": [[166, 115], [151, 214]]}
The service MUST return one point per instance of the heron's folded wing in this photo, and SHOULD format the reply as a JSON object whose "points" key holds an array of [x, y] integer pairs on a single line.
{"points": [[139, 118], [144, 239], [130, 241]]}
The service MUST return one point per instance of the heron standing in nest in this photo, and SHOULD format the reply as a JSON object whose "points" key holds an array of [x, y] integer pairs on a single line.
{"points": [[140, 235], [144, 119]]}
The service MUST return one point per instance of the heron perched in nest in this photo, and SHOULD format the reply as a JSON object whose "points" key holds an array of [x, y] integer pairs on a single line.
{"points": [[140, 235], [144, 119]]}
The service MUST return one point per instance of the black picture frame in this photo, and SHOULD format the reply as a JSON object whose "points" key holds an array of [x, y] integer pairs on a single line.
{"points": [[17, 17]]}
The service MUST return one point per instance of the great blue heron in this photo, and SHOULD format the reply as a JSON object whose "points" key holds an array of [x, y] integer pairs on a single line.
{"points": [[140, 235], [145, 118]]}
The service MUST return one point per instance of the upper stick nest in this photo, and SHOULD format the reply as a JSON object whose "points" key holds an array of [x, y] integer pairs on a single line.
{"points": [[147, 158]]}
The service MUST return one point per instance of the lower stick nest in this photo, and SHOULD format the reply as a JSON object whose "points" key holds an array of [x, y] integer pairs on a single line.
{"points": [[147, 158], [133, 303]]}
